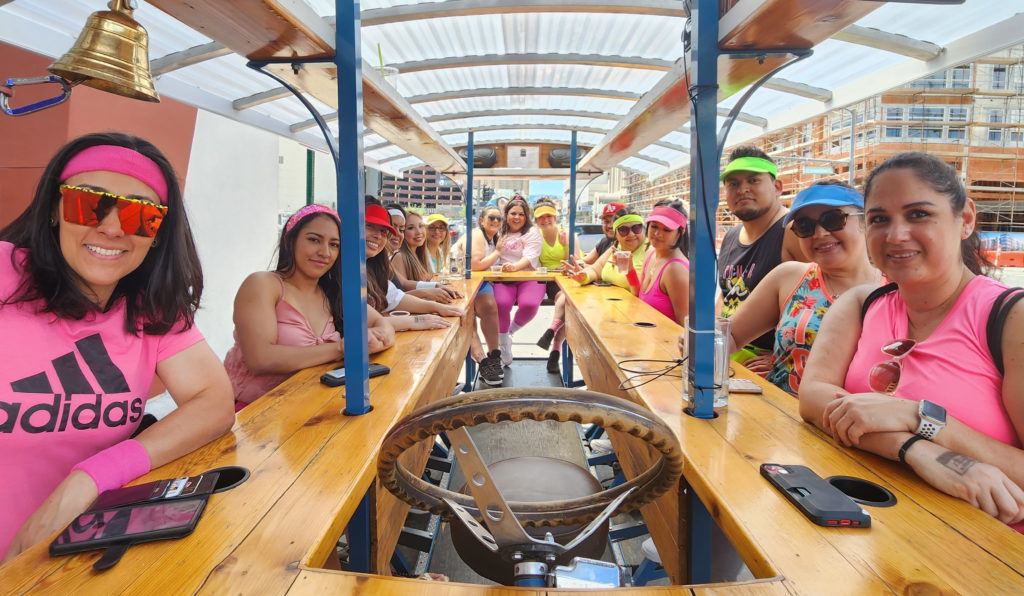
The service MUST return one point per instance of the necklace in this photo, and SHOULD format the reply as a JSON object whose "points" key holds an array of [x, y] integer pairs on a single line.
{"points": [[824, 284]]}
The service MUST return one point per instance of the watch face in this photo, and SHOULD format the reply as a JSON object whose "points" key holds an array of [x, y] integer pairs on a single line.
{"points": [[933, 411]]}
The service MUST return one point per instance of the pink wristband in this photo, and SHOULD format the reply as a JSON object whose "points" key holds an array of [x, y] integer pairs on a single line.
{"points": [[116, 466]]}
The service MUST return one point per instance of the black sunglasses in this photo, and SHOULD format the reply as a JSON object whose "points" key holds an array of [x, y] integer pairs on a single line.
{"points": [[494, 218], [832, 221], [626, 229]]}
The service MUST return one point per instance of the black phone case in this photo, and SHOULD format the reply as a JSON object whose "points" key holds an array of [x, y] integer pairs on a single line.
{"points": [[375, 370], [153, 492], [57, 548], [821, 502]]}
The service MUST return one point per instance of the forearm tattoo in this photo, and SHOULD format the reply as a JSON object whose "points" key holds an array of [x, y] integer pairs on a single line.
{"points": [[956, 462], [418, 318]]}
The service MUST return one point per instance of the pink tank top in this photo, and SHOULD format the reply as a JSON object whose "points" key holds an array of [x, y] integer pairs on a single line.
{"points": [[292, 330], [655, 296], [952, 367]]}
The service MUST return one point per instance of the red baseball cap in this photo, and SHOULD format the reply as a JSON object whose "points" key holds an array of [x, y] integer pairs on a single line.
{"points": [[611, 208], [375, 214]]}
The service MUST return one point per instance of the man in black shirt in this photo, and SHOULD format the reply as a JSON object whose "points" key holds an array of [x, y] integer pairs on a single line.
{"points": [[751, 250]]}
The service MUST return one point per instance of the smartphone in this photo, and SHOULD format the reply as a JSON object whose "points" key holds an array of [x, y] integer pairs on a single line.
{"points": [[336, 377], [95, 530], [161, 490], [744, 386], [821, 502]]}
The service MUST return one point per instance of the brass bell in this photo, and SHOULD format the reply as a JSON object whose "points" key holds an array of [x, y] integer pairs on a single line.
{"points": [[111, 54]]}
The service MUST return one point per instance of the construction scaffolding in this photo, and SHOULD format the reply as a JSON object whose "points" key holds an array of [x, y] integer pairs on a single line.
{"points": [[972, 116]]}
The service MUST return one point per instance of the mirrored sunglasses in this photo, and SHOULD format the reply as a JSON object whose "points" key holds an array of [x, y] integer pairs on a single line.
{"points": [[624, 230], [832, 220], [89, 207], [884, 377]]}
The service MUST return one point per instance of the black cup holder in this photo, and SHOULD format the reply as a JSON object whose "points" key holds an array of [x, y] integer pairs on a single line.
{"points": [[644, 324], [230, 477], [863, 491]]}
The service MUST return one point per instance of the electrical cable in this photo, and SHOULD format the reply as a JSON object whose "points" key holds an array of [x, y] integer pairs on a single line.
{"points": [[654, 374]]}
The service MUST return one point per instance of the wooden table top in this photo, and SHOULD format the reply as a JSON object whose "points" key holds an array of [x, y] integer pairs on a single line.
{"points": [[310, 464], [928, 542], [517, 275]]}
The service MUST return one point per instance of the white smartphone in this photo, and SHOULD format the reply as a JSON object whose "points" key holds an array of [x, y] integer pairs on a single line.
{"points": [[744, 386]]}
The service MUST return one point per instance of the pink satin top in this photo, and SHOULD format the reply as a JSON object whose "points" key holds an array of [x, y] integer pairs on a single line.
{"points": [[292, 330]]}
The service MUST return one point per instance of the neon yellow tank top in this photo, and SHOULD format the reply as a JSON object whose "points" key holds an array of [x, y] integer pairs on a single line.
{"points": [[551, 256], [610, 273]]}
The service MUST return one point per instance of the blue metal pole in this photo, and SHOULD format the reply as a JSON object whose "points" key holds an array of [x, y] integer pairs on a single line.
{"points": [[349, 61], [703, 275], [468, 267], [469, 207], [566, 352], [703, 203]]}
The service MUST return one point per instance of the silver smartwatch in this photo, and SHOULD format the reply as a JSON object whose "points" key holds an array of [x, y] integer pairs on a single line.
{"points": [[933, 419]]}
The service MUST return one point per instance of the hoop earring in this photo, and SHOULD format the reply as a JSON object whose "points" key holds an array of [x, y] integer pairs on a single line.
{"points": [[155, 243], [53, 223]]}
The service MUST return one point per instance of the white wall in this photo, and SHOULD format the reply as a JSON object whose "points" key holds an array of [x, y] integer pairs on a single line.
{"points": [[231, 194], [291, 184]]}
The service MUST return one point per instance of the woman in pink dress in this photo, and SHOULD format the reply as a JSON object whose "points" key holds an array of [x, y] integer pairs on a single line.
{"points": [[290, 318]]}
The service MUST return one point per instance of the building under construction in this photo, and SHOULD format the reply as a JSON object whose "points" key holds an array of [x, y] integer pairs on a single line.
{"points": [[972, 116]]}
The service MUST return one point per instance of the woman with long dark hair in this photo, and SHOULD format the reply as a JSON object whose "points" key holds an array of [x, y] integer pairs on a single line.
{"points": [[99, 285], [519, 250], [916, 371], [664, 280], [382, 294], [290, 318]]}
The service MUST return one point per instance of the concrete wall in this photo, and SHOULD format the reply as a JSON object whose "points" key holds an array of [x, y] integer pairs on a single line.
{"points": [[291, 185], [231, 197]]}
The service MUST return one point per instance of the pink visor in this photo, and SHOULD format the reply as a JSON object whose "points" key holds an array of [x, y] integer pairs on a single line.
{"points": [[668, 217], [120, 160]]}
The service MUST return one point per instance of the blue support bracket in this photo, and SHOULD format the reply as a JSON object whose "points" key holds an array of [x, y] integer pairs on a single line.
{"points": [[698, 556], [359, 537]]}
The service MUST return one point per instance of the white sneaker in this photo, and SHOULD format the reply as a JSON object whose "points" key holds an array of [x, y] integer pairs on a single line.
{"points": [[601, 446], [505, 343]]}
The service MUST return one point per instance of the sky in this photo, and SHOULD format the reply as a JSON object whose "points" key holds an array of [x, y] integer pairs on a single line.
{"points": [[550, 188]]}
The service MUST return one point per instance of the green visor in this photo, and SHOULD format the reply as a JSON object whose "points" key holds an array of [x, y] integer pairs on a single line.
{"points": [[750, 164]]}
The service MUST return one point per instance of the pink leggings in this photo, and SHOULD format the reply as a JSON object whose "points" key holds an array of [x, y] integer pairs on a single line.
{"points": [[528, 294]]}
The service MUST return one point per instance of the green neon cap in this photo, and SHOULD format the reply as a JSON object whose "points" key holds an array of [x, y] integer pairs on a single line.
{"points": [[750, 164]]}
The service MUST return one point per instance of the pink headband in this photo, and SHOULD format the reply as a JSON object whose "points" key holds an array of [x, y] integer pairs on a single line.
{"points": [[309, 210], [121, 160], [668, 217]]}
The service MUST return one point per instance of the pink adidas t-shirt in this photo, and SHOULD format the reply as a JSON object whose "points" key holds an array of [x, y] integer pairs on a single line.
{"points": [[68, 389]]}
